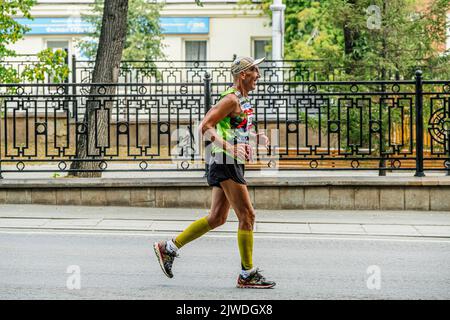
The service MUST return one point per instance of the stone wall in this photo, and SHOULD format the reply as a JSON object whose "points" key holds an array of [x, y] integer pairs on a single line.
{"points": [[334, 193]]}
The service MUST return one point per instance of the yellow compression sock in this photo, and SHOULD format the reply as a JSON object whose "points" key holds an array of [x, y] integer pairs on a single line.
{"points": [[245, 243], [195, 230]]}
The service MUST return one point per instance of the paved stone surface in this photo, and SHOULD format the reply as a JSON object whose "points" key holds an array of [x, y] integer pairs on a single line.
{"points": [[124, 224], [72, 223], [283, 227], [378, 229], [433, 230], [27, 222], [401, 223], [332, 228]]}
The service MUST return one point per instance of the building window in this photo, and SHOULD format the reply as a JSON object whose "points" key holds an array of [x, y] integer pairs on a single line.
{"points": [[195, 51], [57, 44], [259, 49]]}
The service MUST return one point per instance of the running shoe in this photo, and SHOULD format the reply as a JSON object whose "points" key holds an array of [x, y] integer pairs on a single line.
{"points": [[254, 281], [165, 257]]}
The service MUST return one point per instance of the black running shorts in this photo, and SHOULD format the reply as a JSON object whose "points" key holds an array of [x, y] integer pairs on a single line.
{"points": [[219, 172]]}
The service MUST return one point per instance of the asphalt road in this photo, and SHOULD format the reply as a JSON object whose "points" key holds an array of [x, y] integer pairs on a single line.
{"points": [[51, 265]]}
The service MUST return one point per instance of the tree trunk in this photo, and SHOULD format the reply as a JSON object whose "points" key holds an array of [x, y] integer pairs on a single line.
{"points": [[350, 36], [93, 138]]}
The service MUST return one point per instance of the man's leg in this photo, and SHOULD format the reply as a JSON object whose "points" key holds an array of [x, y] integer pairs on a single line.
{"points": [[239, 198], [166, 251], [217, 216]]}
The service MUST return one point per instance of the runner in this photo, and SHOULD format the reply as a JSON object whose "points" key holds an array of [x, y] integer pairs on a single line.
{"points": [[228, 125]]}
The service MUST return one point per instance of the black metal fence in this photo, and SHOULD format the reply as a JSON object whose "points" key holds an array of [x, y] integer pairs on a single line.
{"points": [[188, 71], [193, 71], [20, 62], [365, 125], [271, 71]]}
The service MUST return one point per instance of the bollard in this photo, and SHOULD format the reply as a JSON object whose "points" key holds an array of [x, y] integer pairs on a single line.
{"points": [[419, 125]]}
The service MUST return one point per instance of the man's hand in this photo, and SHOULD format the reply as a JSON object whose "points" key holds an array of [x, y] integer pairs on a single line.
{"points": [[262, 139], [241, 151]]}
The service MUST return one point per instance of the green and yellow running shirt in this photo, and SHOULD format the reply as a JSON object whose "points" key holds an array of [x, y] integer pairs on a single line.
{"points": [[236, 129]]}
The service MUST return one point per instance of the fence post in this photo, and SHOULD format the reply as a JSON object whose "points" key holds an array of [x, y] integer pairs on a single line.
{"points": [[74, 69], [207, 89], [382, 163], [419, 125], [74, 87]]}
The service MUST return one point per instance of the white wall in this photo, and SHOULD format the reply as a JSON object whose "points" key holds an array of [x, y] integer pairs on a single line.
{"points": [[29, 45], [227, 36], [173, 47], [234, 36], [35, 43]]}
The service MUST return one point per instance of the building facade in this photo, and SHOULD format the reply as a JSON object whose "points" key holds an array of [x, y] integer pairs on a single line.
{"points": [[216, 31]]}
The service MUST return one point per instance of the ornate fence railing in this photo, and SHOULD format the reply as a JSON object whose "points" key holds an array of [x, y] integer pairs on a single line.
{"points": [[363, 125], [193, 71], [271, 71], [19, 63]]}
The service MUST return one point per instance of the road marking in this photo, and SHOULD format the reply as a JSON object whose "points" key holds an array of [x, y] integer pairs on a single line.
{"points": [[256, 236]]}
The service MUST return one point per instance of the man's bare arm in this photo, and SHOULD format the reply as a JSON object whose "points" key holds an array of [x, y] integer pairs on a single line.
{"points": [[213, 116]]}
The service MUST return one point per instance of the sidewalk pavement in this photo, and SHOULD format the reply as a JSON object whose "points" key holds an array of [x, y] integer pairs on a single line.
{"points": [[284, 222]]}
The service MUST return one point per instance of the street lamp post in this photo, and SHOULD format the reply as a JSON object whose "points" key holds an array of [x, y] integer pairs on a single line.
{"points": [[278, 35]]}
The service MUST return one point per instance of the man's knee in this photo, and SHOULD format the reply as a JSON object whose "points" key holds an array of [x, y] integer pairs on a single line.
{"points": [[247, 218], [217, 220]]}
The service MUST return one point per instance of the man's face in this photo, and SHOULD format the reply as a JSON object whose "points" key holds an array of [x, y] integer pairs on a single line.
{"points": [[250, 77]]}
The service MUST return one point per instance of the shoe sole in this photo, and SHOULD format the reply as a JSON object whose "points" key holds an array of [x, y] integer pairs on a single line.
{"points": [[242, 286], [161, 263]]}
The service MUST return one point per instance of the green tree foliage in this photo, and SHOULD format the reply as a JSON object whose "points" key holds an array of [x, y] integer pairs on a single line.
{"points": [[10, 30], [351, 35], [405, 38], [144, 32], [50, 65]]}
